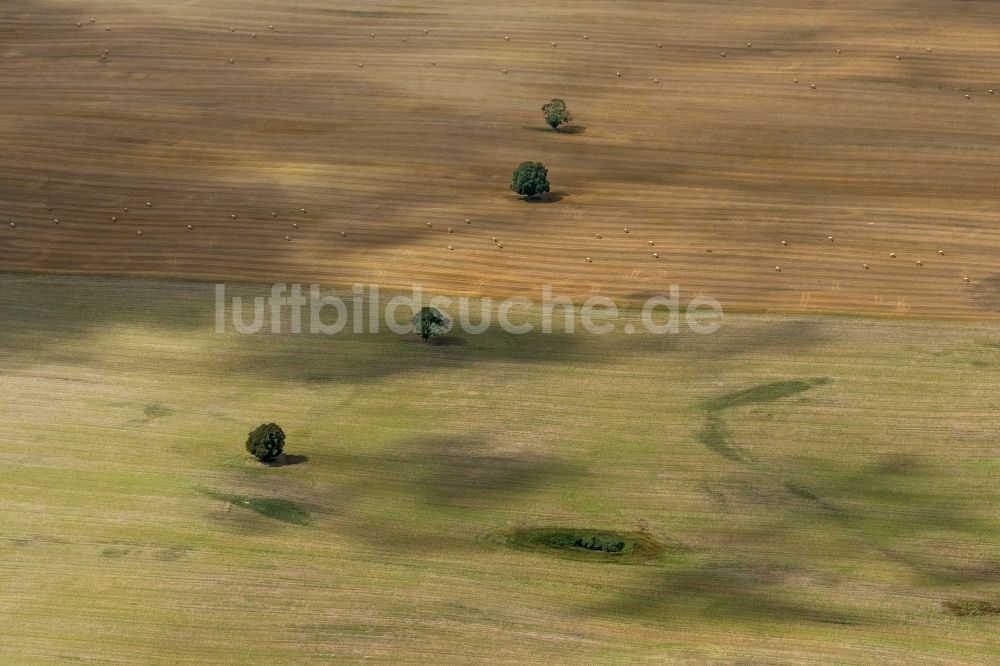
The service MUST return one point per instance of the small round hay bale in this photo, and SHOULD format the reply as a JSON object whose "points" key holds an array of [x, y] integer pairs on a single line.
{"points": [[892, 255], [450, 230], [494, 239], [295, 225], [656, 80], [425, 32], [114, 219], [138, 233], [625, 229], [659, 45], [232, 217], [553, 44], [232, 29], [500, 246], [288, 238], [302, 210], [899, 57], [968, 97], [749, 45], [468, 221], [656, 255], [941, 252], [343, 235], [723, 54], [930, 51], [990, 91], [919, 263], [107, 28], [838, 51], [274, 215], [190, 227], [651, 243], [56, 220], [586, 37], [149, 204], [270, 27], [93, 20], [589, 260], [429, 225], [795, 80], [371, 34], [965, 279], [777, 268], [267, 58], [598, 236], [450, 247], [230, 61], [829, 238], [812, 86], [361, 64], [784, 243], [12, 225], [506, 38], [866, 266], [504, 71], [618, 74], [253, 35], [79, 25]]}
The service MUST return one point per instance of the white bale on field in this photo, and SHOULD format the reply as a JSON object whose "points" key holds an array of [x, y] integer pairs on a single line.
{"points": [[589, 260], [190, 227], [892, 255], [777, 268], [656, 255]]}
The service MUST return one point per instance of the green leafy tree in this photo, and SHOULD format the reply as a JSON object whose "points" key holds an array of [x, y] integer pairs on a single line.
{"points": [[556, 113], [530, 179], [429, 322], [266, 442]]}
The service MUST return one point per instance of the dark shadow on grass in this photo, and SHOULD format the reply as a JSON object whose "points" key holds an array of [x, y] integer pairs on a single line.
{"points": [[269, 507], [286, 460], [728, 591]]}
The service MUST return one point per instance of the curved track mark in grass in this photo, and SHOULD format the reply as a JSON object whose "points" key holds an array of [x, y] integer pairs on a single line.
{"points": [[763, 393]]}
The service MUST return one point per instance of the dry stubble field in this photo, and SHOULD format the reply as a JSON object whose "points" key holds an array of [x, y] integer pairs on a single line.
{"points": [[723, 154]]}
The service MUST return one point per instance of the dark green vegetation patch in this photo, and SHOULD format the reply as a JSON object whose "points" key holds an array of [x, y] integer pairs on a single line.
{"points": [[586, 544], [271, 507]]}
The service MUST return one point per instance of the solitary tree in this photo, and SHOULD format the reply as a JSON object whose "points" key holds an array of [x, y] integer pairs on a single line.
{"points": [[530, 179], [556, 114], [266, 442], [429, 322]]}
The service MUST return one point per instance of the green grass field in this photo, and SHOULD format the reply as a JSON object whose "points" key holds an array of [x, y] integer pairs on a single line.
{"points": [[821, 486]]}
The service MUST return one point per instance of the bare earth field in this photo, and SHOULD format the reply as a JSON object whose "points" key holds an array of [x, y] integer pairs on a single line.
{"points": [[726, 154]]}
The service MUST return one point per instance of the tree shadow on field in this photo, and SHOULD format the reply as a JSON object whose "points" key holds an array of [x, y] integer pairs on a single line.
{"points": [[287, 460], [566, 129], [547, 198]]}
